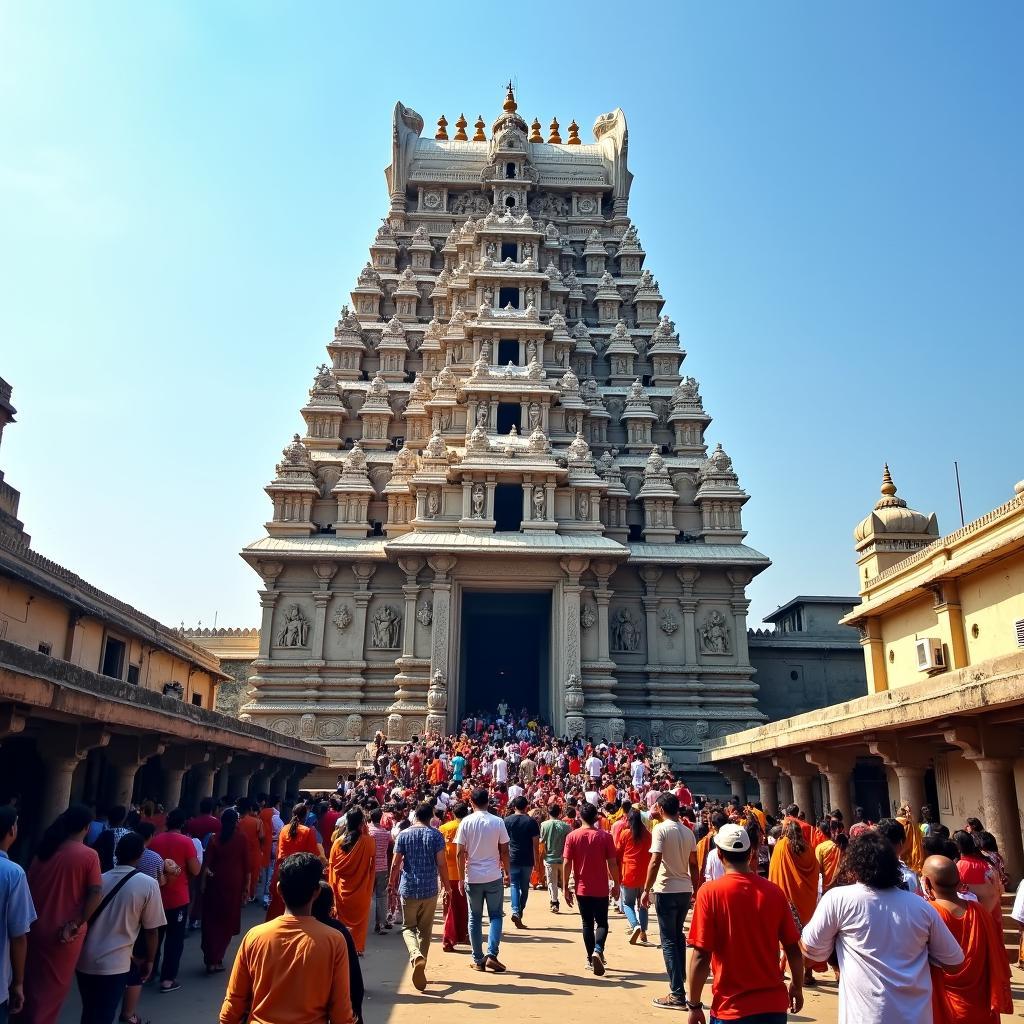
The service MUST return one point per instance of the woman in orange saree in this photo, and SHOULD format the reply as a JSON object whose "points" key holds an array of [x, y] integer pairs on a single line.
{"points": [[794, 869], [293, 838], [913, 852], [350, 871]]}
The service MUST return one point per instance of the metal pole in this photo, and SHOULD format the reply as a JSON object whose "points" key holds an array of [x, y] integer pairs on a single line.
{"points": [[959, 496]]}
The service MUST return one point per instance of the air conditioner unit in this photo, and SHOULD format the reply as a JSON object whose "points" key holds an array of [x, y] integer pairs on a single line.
{"points": [[930, 657]]}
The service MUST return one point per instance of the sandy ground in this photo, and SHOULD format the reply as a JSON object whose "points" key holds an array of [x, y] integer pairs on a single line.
{"points": [[546, 981]]}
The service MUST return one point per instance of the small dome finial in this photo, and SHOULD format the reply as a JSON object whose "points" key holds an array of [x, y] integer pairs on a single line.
{"points": [[535, 135], [574, 135], [460, 129], [442, 129], [554, 138], [888, 487], [510, 106], [479, 126]]}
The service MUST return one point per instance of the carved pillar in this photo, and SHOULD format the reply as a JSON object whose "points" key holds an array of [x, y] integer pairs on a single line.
{"points": [[737, 778], [801, 776], [688, 607], [173, 764], [363, 572], [571, 590], [650, 574], [410, 592], [268, 600], [126, 754], [603, 598], [837, 767], [740, 580], [62, 751], [324, 572], [908, 760], [279, 783], [767, 776], [441, 588]]}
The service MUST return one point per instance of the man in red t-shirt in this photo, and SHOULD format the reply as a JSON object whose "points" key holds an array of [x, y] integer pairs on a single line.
{"points": [[589, 856], [738, 923]]}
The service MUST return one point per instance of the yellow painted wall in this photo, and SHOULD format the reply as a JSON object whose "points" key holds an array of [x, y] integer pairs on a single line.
{"points": [[965, 787], [900, 631], [993, 599], [30, 623]]}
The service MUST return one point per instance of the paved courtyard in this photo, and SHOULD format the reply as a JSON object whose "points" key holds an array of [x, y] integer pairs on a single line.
{"points": [[546, 981]]}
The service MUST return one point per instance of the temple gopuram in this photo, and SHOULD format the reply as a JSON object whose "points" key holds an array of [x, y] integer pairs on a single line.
{"points": [[503, 490]]}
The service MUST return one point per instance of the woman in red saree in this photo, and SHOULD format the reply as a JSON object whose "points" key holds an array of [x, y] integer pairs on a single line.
{"points": [[351, 872], [224, 884], [293, 838], [64, 879]]}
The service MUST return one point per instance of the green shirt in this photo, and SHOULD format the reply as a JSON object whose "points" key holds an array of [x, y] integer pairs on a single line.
{"points": [[552, 835]]}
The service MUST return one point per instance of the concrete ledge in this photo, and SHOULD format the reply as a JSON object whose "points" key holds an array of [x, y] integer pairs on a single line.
{"points": [[42, 684], [990, 685]]}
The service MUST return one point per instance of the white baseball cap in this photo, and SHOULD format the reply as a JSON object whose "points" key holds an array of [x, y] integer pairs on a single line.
{"points": [[732, 838]]}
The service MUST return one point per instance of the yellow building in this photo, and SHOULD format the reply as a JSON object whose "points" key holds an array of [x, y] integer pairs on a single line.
{"points": [[99, 702], [942, 626]]}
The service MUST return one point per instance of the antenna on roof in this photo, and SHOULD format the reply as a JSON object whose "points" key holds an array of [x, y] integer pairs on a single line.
{"points": [[959, 496]]}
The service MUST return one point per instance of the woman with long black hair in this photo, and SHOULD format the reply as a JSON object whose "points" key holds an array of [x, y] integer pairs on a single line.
{"points": [[633, 852], [351, 874], [224, 884], [295, 837]]}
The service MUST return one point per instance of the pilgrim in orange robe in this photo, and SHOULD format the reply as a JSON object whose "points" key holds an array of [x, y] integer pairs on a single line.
{"points": [[829, 857], [249, 826], [703, 849], [304, 840], [977, 991], [351, 877], [913, 852], [267, 841], [796, 874]]}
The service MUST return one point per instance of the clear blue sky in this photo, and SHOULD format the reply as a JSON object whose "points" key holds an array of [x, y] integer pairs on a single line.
{"points": [[829, 194]]}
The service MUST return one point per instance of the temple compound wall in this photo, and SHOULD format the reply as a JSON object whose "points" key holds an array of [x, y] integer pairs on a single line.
{"points": [[503, 414]]}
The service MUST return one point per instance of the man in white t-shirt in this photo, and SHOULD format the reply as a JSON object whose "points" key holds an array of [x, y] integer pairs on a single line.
{"points": [[482, 853], [513, 791], [594, 768], [637, 771], [668, 875], [106, 966], [884, 977], [499, 770]]}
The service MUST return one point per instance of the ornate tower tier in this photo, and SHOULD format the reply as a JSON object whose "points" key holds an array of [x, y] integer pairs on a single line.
{"points": [[503, 490]]}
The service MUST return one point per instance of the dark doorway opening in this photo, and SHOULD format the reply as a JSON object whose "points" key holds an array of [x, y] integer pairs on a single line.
{"points": [[508, 508], [508, 352], [871, 788], [510, 170], [506, 652], [508, 296], [510, 202], [509, 415], [509, 251], [113, 658]]}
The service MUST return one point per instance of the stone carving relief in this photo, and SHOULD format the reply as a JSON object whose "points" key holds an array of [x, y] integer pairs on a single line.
{"points": [[328, 729], [534, 416], [575, 724], [657, 731], [616, 730], [437, 703], [687, 733], [285, 726], [385, 629], [425, 613], [625, 633], [667, 622], [587, 615], [583, 507], [342, 618], [479, 501], [295, 632], [353, 727], [539, 502], [327, 478], [470, 202], [433, 503], [715, 636], [307, 726]]}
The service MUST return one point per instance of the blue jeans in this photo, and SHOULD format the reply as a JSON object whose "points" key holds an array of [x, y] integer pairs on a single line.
{"points": [[671, 908], [520, 877], [635, 914], [756, 1018], [494, 895]]}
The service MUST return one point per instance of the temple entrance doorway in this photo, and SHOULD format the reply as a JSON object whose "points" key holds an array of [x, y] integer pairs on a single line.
{"points": [[506, 652]]}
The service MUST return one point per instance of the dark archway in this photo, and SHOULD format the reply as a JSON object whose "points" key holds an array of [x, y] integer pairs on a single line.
{"points": [[506, 652]]}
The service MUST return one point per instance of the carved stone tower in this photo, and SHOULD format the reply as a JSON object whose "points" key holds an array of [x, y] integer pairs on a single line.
{"points": [[503, 490]]}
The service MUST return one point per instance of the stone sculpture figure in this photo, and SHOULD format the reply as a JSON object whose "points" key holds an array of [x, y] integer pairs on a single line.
{"points": [[531, 350], [625, 632], [296, 628], [587, 616], [715, 633], [384, 628], [479, 498], [433, 503], [342, 618], [538, 502], [492, 250], [583, 507], [534, 416], [425, 613], [481, 415]]}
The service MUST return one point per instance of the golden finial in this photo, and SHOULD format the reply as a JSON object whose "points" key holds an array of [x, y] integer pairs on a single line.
{"points": [[460, 126], [574, 135], [554, 137], [888, 487], [535, 135], [442, 129], [510, 106], [479, 126]]}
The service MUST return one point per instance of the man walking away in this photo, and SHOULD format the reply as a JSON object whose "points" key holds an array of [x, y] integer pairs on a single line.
{"points": [[383, 852], [482, 842], [668, 876], [883, 970], [293, 968], [16, 916], [131, 903], [978, 991], [739, 921], [553, 834], [456, 911], [419, 860], [589, 857], [523, 851]]}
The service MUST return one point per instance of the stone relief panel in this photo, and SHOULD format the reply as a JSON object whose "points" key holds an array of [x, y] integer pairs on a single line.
{"points": [[714, 634], [385, 629], [625, 632], [293, 627]]}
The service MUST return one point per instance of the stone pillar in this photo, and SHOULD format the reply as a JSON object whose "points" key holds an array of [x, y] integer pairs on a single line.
{"points": [[204, 774], [223, 784], [173, 764], [688, 607], [603, 598], [786, 797], [63, 750], [801, 776], [12, 721], [279, 783], [442, 566], [268, 600], [571, 591], [999, 810], [363, 572], [324, 572], [767, 777], [259, 782], [908, 759], [410, 592], [871, 641], [837, 767], [737, 779], [126, 755], [650, 574], [739, 603]]}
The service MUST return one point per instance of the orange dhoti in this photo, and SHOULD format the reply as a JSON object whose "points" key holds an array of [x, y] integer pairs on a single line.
{"points": [[977, 991], [351, 876]]}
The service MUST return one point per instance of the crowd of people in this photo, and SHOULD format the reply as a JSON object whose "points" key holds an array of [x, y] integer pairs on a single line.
{"points": [[904, 915]]}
